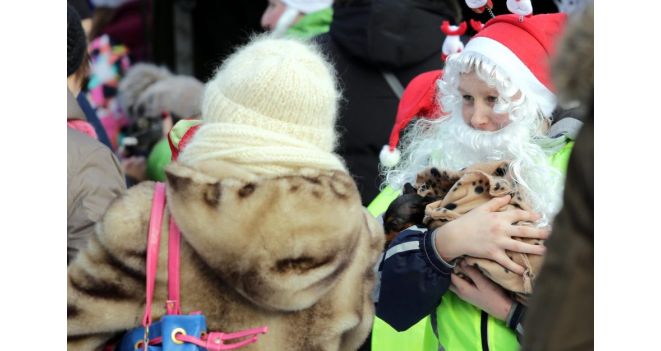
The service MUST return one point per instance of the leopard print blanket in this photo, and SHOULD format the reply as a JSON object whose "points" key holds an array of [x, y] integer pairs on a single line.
{"points": [[460, 192]]}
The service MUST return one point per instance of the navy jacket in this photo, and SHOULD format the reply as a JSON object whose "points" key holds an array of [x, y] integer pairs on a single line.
{"points": [[413, 279]]}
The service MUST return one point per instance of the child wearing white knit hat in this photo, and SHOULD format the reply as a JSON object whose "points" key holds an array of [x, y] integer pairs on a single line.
{"points": [[273, 231], [271, 107]]}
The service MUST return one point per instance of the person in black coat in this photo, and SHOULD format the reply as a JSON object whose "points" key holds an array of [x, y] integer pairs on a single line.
{"points": [[368, 38]]}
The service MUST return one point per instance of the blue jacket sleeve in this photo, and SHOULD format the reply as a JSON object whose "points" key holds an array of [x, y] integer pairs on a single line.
{"points": [[413, 279]]}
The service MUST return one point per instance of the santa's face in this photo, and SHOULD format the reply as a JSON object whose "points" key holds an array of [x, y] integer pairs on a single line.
{"points": [[478, 101]]}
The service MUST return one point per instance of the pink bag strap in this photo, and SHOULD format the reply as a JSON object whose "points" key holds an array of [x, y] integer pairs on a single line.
{"points": [[153, 244], [174, 241], [215, 341]]}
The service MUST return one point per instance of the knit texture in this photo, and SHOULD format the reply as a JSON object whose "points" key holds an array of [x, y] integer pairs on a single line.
{"points": [[271, 107]]}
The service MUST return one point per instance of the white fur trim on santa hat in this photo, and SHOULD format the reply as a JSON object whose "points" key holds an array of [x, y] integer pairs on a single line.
{"points": [[389, 158], [517, 71], [520, 7], [308, 6], [476, 4]]}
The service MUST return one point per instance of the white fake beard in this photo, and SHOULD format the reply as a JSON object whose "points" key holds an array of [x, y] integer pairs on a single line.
{"points": [[460, 146], [457, 146]]}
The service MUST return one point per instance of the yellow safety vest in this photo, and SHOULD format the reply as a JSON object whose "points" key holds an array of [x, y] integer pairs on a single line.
{"points": [[460, 325]]}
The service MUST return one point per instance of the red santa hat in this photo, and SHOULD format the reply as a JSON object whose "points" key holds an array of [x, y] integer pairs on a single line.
{"points": [[522, 47], [418, 100]]}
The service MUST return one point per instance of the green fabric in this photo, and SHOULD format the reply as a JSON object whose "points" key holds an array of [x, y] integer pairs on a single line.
{"points": [[314, 23], [180, 128], [381, 202], [459, 326], [458, 321], [385, 338], [159, 157], [560, 159]]}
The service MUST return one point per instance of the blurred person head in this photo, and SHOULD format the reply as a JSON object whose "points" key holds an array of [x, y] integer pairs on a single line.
{"points": [[155, 99], [171, 99], [148, 90], [279, 15], [136, 81], [78, 62], [84, 12]]}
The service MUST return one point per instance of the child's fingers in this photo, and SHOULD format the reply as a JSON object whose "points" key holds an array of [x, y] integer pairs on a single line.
{"points": [[496, 203], [520, 246], [523, 231], [506, 262]]}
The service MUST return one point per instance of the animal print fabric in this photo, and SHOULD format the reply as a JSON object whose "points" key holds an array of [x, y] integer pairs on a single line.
{"points": [[460, 192]]}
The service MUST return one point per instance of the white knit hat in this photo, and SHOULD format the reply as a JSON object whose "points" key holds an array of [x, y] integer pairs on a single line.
{"points": [[270, 93]]}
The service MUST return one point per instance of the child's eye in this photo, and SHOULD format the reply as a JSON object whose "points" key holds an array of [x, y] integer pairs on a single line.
{"points": [[467, 98], [492, 99]]}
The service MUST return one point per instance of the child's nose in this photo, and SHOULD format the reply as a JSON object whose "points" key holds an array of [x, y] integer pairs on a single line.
{"points": [[480, 117]]}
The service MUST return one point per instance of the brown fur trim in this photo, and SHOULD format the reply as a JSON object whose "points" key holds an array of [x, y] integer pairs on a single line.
{"points": [[255, 251]]}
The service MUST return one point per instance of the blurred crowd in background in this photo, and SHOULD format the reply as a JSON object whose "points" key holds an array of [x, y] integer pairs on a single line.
{"points": [[138, 68], [149, 59]]}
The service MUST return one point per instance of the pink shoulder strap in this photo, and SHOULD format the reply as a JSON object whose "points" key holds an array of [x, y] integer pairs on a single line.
{"points": [[174, 240], [153, 244], [214, 341]]}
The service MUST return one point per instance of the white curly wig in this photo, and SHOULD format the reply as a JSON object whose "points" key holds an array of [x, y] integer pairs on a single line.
{"points": [[451, 144]]}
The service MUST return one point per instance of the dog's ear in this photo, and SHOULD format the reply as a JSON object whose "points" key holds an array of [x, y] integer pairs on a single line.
{"points": [[409, 189]]}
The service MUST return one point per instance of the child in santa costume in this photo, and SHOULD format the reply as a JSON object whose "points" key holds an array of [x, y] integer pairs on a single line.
{"points": [[496, 101]]}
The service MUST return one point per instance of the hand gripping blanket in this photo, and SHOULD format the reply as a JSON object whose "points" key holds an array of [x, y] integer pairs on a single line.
{"points": [[456, 193]]}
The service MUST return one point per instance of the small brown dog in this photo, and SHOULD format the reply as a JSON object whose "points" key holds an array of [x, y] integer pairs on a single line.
{"points": [[408, 209]]}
